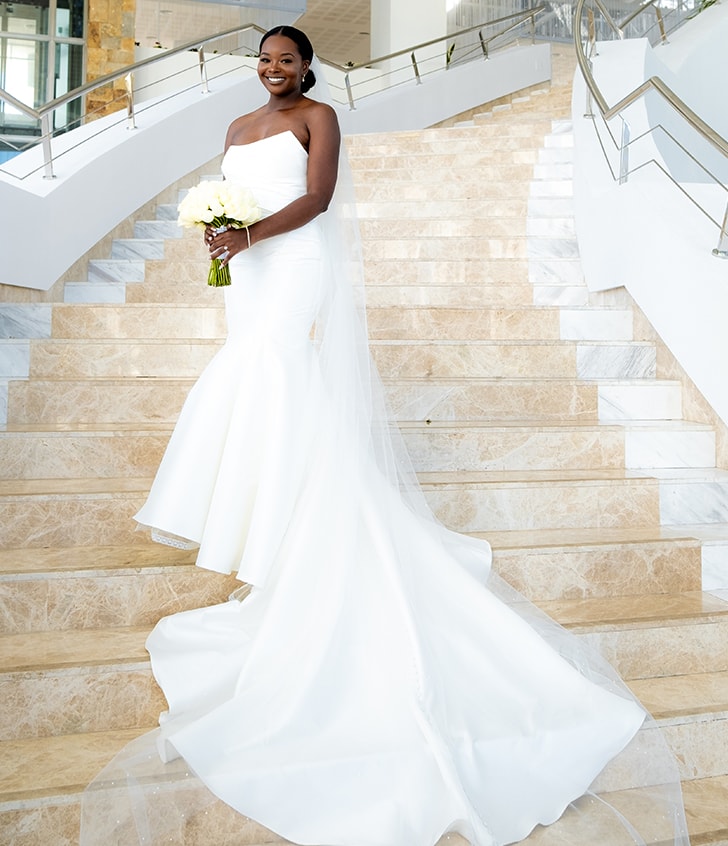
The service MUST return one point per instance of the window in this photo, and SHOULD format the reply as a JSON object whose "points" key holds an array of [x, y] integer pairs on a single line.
{"points": [[42, 56]]}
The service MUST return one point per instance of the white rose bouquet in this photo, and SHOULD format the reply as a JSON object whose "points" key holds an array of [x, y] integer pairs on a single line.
{"points": [[220, 205]]}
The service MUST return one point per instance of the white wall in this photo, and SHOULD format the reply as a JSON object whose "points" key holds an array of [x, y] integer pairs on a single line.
{"points": [[45, 225], [695, 65]]}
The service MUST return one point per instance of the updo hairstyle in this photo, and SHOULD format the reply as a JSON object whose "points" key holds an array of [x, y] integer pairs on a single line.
{"points": [[305, 48]]}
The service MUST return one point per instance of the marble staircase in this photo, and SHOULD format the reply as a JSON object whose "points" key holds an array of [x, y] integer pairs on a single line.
{"points": [[532, 409]]}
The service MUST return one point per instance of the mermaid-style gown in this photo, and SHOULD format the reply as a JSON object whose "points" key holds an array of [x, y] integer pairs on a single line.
{"points": [[370, 690]]}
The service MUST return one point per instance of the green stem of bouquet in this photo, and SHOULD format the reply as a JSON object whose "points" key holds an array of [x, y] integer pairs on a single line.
{"points": [[219, 275]]}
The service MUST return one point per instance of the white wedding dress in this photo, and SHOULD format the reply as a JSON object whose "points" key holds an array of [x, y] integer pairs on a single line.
{"points": [[370, 690]]}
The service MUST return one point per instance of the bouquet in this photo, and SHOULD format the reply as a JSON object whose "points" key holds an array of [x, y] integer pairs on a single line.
{"points": [[222, 206]]}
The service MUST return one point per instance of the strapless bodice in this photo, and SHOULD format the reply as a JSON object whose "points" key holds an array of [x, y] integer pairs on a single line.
{"points": [[273, 168]]}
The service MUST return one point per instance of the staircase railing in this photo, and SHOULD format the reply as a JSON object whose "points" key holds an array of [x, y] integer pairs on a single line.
{"points": [[377, 74], [585, 51]]}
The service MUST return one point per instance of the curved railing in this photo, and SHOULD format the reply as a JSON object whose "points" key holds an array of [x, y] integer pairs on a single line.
{"points": [[349, 83], [585, 50]]}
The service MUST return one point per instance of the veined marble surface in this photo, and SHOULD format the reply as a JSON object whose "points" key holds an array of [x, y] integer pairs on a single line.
{"points": [[615, 360], [157, 229], [694, 497], [137, 248], [94, 292], [25, 320], [592, 324], [715, 565], [652, 447], [116, 270], [14, 359], [649, 401]]}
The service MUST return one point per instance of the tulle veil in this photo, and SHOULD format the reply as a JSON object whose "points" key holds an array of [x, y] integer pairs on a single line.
{"points": [[139, 798]]}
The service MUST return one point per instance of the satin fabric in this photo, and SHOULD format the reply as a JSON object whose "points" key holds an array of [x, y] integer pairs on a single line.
{"points": [[370, 690]]}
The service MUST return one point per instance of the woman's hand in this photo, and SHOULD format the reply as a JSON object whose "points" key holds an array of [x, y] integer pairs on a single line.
{"points": [[224, 245]]}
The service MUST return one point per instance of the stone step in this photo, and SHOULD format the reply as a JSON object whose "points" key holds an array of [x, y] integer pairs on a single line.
{"points": [[658, 400], [191, 272], [514, 208], [449, 170], [14, 358], [454, 296], [471, 152], [151, 229], [585, 563], [134, 585], [95, 292], [476, 143], [487, 245], [41, 780], [412, 192], [121, 586], [98, 511], [656, 637], [398, 228], [73, 681], [44, 795], [550, 227], [116, 270], [93, 401], [83, 358], [396, 322], [569, 499], [547, 207], [66, 682], [24, 320], [479, 271], [556, 273], [507, 359], [693, 496], [553, 170], [116, 450], [167, 211], [138, 248], [409, 139]]}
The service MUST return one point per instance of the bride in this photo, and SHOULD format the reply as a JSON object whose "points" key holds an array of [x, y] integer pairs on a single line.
{"points": [[366, 687]]}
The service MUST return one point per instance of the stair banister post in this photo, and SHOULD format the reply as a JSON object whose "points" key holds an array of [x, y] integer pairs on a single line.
{"points": [[661, 24], [624, 153], [45, 128], [589, 113], [721, 251], [203, 69], [483, 45], [417, 70], [592, 37], [129, 86], [349, 93]]}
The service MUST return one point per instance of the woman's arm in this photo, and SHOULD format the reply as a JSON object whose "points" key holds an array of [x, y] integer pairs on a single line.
{"points": [[323, 161]]}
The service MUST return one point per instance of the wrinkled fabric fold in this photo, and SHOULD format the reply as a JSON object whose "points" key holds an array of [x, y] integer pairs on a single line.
{"points": [[379, 685]]}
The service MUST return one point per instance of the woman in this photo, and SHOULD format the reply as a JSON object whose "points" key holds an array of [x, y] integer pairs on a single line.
{"points": [[370, 690]]}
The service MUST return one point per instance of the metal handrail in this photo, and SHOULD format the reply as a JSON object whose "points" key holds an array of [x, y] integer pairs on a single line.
{"points": [[43, 113], [524, 14], [654, 83]]}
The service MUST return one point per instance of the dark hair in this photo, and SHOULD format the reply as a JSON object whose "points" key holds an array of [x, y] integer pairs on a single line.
{"points": [[305, 48]]}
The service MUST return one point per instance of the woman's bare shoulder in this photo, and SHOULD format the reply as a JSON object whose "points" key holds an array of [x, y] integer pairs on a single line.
{"points": [[321, 117]]}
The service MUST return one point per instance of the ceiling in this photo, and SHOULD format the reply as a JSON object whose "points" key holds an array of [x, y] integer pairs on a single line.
{"points": [[338, 29]]}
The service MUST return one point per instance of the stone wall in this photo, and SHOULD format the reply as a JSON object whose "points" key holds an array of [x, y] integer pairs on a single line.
{"points": [[110, 47]]}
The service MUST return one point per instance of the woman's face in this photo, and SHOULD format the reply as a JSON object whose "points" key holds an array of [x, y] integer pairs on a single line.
{"points": [[280, 66]]}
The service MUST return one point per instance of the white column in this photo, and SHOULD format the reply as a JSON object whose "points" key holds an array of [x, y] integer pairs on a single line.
{"points": [[399, 24]]}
